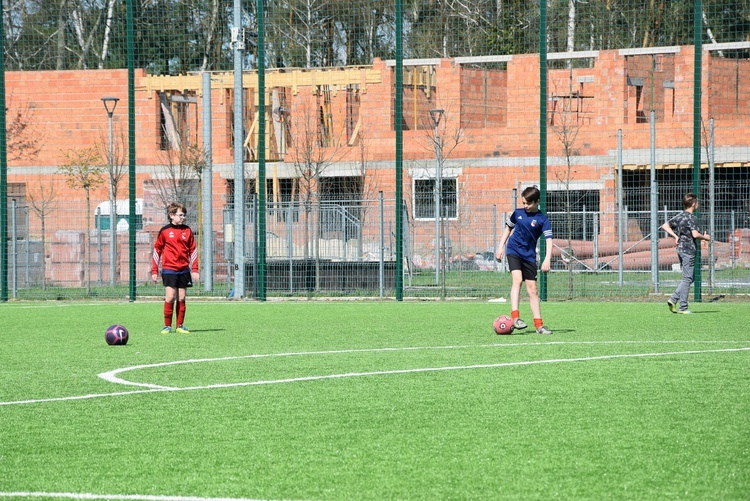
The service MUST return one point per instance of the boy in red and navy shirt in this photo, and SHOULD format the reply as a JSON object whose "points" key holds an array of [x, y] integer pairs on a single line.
{"points": [[175, 250]]}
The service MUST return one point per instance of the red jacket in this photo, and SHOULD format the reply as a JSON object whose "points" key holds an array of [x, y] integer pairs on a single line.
{"points": [[175, 249]]}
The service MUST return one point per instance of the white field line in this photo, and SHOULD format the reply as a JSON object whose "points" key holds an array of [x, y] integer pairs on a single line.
{"points": [[360, 374], [111, 376], [114, 497]]}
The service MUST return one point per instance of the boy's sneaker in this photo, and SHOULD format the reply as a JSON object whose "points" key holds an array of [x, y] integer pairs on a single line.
{"points": [[685, 312], [519, 324], [182, 330], [672, 306], [166, 330], [543, 330]]}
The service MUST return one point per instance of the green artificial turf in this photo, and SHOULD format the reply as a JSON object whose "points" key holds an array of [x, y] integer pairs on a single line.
{"points": [[376, 400]]}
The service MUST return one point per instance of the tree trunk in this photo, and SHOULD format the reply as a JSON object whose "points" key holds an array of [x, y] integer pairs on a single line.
{"points": [[571, 46], [649, 23], [211, 34], [60, 57], [87, 250], [84, 43], [107, 33], [44, 254]]}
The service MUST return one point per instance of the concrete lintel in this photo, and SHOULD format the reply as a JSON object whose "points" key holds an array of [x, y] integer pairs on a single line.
{"points": [[645, 51]]}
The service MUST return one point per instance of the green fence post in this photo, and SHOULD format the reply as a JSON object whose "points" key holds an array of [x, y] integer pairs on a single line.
{"points": [[543, 134], [399, 153], [697, 85]]}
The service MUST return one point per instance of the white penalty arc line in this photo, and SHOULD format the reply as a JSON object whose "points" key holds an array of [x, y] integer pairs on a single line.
{"points": [[377, 373], [112, 376], [114, 497]]}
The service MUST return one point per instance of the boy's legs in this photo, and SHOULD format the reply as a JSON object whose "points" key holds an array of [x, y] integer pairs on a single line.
{"points": [[680, 296], [515, 289], [181, 295], [516, 276], [534, 302], [170, 295], [536, 308], [521, 271]]}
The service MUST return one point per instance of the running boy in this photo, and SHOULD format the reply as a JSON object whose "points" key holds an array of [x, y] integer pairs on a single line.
{"points": [[524, 227], [175, 251], [684, 229]]}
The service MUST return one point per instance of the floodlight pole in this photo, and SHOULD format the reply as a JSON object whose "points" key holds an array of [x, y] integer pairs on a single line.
{"points": [[436, 115], [238, 48], [110, 103], [207, 260]]}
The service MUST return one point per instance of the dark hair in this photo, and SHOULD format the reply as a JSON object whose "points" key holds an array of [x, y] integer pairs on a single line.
{"points": [[174, 207], [689, 200], [531, 194]]}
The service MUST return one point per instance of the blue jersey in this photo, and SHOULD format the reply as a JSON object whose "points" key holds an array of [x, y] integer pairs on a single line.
{"points": [[527, 228]]}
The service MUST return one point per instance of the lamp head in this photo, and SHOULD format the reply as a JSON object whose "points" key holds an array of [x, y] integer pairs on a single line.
{"points": [[110, 103], [436, 115]]}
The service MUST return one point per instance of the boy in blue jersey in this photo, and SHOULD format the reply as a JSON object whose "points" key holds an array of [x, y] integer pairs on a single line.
{"points": [[523, 229]]}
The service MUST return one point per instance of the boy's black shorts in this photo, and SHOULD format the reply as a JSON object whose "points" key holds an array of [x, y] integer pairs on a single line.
{"points": [[528, 269], [177, 280]]}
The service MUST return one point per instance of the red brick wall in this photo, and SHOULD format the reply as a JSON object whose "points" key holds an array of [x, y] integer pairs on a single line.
{"points": [[68, 113]]}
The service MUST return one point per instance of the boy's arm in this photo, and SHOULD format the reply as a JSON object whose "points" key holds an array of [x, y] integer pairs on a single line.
{"points": [[547, 256], [547, 232], [500, 251], [156, 257], [668, 229], [193, 257], [696, 232], [699, 235]]}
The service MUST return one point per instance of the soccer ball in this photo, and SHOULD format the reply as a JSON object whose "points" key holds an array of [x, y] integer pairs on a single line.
{"points": [[116, 334], [503, 325]]}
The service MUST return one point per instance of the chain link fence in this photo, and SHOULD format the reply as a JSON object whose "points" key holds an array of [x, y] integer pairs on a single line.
{"points": [[324, 113], [340, 248]]}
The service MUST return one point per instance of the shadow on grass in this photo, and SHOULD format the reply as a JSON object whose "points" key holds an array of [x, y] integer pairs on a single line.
{"points": [[532, 332]]}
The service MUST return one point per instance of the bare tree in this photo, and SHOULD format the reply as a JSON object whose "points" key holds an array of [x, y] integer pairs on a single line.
{"points": [[651, 30], [314, 147], [83, 169], [444, 139], [85, 40], [107, 32], [305, 26], [179, 180], [211, 35], [42, 202], [60, 35], [23, 136], [566, 126], [118, 168], [368, 186], [571, 42]]}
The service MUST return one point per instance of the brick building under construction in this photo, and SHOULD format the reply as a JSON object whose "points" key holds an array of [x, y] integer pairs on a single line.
{"points": [[331, 132]]}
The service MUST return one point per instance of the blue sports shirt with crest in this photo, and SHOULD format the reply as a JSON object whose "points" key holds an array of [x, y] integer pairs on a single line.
{"points": [[527, 228]]}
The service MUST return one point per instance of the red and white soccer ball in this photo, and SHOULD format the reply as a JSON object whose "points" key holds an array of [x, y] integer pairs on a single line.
{"points": [[503, 325], [116, 335]]}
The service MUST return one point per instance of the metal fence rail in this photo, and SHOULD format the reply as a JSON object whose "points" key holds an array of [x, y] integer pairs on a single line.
{"points": [[341, 248]]}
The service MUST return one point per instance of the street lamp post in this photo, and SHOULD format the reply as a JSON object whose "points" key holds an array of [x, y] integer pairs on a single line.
{"points": [[436, 115], [110, 103]]}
